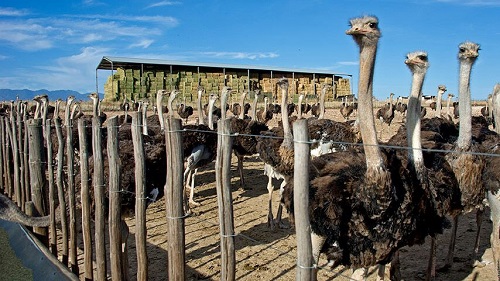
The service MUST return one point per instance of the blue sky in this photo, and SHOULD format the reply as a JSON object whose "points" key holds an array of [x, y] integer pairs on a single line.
{"points": [[57, 44]]}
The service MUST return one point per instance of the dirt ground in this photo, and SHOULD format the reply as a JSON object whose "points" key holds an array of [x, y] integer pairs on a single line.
{"points": [[265, 254]]}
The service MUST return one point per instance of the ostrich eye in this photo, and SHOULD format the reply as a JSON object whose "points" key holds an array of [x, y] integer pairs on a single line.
{"points": [[462, 50], [422, 57], [373, 25]]}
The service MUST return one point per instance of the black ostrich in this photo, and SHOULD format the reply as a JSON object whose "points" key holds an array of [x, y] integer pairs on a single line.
{"points": [[386, 114], [185, 111], [347, 109], [199, 146], [365, 205]]}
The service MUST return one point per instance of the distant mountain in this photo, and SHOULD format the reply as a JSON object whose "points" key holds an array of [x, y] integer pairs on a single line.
{"points": [[8, 94]]}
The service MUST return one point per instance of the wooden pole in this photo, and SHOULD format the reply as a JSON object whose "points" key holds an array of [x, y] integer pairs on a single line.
{"points": [[302, 153], [8, 174], [22, 167], [140, 197], [114, 200], [25, 156], [225, 201], [2, 153], [85, 200], [98, 182], [174, 199], [52, 195], [15, 154], [60, 191], [37, 172], [70, 175]]}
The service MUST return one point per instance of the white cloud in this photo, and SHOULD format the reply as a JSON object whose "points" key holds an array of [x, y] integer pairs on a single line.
{"points": [[348, 63], [145, 43], [163, 3], [12, 12], [240, 55], [473, 2], [44, 33], [76, 72]]}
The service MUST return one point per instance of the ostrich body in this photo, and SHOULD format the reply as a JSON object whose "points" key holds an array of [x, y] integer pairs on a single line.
{"points": [[346, 110], [185, 111], [364, 206], [467, 167]]}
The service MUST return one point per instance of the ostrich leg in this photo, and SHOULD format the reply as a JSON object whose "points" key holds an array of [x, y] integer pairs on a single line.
{"points": [[451, 248], [475, 253]]}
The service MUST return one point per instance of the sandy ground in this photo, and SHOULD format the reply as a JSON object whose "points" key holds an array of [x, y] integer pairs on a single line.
{"points": [[265, 254]]}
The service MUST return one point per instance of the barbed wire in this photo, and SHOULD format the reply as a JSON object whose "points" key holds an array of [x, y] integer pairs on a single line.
{"points": [[310, 142]]}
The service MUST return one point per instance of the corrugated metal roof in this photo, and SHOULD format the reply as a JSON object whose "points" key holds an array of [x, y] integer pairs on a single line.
{"points": [[110, 63]]}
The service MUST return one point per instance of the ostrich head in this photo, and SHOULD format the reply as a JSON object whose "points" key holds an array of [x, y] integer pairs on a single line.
{"points": [[67, 112], [442, 88], [223, 101], [418, 63], [364, 30], [173, 95]]}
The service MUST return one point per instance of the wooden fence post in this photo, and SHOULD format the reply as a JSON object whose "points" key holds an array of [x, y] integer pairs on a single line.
{"points": [[174, 199], [302, 153], [224, 199], [70, 175], [85, 200], [114, 200], [52, 195], [20, 148], [60, 191], [25, 156], [98, 182], [8, 150], [37, 172], [140, 197], [15, 153], [2, 153]]}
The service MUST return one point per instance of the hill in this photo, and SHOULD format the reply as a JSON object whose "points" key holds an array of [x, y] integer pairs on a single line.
{"points": [[25, 94]]}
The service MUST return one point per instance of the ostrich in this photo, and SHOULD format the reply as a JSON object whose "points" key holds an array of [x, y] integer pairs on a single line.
{"points": [[385, 114], [456, 110], [318, 109], [355, 214], [467, 167], [277, 154], [102, 115], [199, 146], [245, 144], [449, 103], [265, 114], [441, 90], [184, 111], [346, 110], [201, 118], [401, 106]]}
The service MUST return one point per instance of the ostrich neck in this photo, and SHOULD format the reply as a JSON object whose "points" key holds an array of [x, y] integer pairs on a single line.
{"points": [[438, 103], [95, 105], [67, 112], [242, 106], [211, 103], [300, 107], [322, 104], [223, 103], [160, 111], [287, 133], [201, 118], [144, 121], [464, 106], [413, 121], [37, 110], [254, 108], [448, 104], [365, 106], [170, 101]]}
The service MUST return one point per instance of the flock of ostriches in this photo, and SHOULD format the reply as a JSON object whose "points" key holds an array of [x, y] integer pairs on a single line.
{"points": [[366, 201]]}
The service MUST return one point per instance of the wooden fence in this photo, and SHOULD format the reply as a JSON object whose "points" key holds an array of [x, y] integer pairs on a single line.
{"points": [[38, 167]]}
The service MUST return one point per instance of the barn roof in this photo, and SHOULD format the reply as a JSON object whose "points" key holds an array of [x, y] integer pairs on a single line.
{"points": [[112, 63]]}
